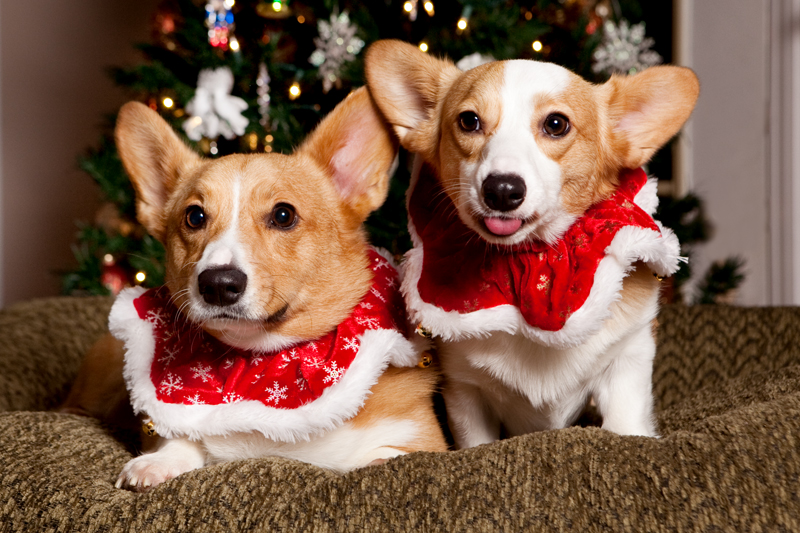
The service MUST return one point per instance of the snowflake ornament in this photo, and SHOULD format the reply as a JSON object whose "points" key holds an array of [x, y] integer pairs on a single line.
{"points": [[214, 111], [336, 45], [624, 49]]}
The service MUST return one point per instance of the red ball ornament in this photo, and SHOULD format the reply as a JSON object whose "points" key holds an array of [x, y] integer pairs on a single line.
{"points": [[113, 277]]}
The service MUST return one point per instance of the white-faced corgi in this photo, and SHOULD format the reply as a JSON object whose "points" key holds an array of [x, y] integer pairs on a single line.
{"points": [[534, 246]]}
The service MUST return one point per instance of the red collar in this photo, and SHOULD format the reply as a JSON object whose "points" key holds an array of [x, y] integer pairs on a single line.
{"points": [[546, 283], [191, 367]]}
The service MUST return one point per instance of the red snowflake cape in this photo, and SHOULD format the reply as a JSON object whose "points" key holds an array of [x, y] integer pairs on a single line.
{"points": [[190, 383], [459, 286]]}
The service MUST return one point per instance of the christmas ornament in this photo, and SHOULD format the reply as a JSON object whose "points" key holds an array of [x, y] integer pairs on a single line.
{"points": [[112, 276], [219, 21], [214, 111], [262, 89], [336, 45], [624, 49]]}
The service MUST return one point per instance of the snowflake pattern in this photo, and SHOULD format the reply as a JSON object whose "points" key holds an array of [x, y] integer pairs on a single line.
{"points": [[624, 49], [195, 400], [276, 393], [334, 374], [287, 358], [202, 372], [231, 397], [168, 355], [369, 322], [351, 344], [170, 384], [544, 283], [187, 357]]}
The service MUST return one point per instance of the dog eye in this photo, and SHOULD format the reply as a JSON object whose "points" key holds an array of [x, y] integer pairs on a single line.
{"points": [[469, 121], [556, 125], [283, 217], [195, 217]]}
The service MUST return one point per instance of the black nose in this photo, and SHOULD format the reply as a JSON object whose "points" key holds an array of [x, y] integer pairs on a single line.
{"points": [[503, 192], [222, 285]]}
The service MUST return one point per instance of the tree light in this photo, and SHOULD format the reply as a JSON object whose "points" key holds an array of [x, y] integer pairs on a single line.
{"points": [[408, 6], [168, 102], [277, 6], [423, 46], [294, 91], [429, 7], [140, 277], [234, 44], [462, 24], [537, 46]]}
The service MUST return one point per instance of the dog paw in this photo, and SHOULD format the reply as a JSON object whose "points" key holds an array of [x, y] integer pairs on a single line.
{"points": [[146, 471]]}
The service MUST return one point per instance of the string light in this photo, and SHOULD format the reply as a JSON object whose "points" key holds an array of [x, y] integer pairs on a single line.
{"points": [[168, 102], [140, 277], [300, 19], [537, 46], [423, 46], [408, 7], [429, 8], [277, 6], [464, 20], [234, 44], [213, 148], [294, 91]]}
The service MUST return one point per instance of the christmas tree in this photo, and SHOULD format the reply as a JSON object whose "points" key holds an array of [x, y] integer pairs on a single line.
{"points": [[256, 76]]}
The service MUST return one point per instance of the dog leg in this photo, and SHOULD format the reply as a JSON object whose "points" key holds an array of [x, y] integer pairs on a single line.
{"points": [[471, 419], [624, 392], [173, 458]]}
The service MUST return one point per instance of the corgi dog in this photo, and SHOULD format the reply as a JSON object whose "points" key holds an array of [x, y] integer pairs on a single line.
{"points": [[536, 259], [279, 332]]}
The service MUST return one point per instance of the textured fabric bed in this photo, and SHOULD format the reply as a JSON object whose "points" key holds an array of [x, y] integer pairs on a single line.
{"points": [[727, 382]]}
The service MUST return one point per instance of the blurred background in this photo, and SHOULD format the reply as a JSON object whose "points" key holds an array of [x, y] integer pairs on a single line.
{"points": [[255, 76]]}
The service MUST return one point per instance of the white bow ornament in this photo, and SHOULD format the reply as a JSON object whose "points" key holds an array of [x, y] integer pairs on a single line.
{"points": [[214, 110]]}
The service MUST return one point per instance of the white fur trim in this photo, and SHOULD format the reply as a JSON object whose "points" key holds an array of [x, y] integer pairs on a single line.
{"points": [[661, 253], [337, 404]]}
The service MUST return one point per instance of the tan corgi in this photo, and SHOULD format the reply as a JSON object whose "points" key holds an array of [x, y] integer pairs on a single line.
{"points": [[279, 331], [534, 246]]}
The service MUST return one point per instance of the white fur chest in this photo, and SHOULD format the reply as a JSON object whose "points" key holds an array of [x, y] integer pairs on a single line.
{"points": [[525, 386]]}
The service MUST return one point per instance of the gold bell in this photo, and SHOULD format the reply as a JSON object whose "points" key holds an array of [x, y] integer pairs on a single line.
{"points": [[422, 332], [425, 361], [149, 428], [659, 278]]}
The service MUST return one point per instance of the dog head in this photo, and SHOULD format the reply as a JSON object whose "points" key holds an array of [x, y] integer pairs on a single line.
{"points": [[521, 147], [263, 250]]}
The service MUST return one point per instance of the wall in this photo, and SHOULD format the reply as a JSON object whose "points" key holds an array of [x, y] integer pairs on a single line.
{"points": [[729, 135], [53, 93]]}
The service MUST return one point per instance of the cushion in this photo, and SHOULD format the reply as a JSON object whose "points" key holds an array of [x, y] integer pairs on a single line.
{"points": [[727, 387]]}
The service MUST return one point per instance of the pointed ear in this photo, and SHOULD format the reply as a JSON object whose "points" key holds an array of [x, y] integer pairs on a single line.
{"points": [[408, 85], [154, 157], [354, 144], [647, 109]]}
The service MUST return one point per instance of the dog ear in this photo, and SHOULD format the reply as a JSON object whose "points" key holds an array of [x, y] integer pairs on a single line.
{"points": [[154, 157], [647, 109], [408, 85], [354, 144]]}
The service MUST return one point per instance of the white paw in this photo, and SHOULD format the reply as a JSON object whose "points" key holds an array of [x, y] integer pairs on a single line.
{"points": [[173, 459]]}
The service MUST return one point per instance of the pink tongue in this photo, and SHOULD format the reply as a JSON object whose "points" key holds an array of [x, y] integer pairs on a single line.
{"points": [[502, 226]]}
